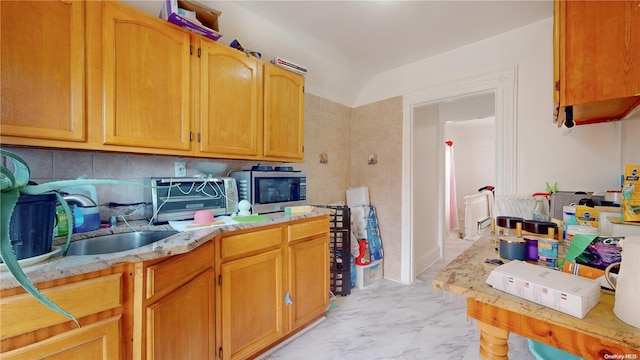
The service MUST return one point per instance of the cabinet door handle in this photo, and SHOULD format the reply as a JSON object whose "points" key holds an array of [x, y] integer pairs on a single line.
{"points": [[287, 299]]}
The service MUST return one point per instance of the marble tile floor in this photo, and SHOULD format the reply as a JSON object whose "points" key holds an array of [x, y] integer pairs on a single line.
{"points": [[388, 320]]}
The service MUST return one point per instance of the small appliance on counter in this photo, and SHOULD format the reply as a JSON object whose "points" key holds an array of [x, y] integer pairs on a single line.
{"points": [[271, 189], [86, 215], [179, 198], [83, 200], [561, 199], [627, 287]]}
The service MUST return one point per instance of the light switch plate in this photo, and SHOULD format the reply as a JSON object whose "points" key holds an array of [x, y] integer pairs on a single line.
{"points": [[180, 168]]}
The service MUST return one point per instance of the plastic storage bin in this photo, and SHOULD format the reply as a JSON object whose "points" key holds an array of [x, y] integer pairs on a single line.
{"points": [[31, 227], [368, 274], [545, 352], [340, 250]]}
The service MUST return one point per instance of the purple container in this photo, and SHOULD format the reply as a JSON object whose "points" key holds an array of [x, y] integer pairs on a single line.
{"points": [[531, 246]]}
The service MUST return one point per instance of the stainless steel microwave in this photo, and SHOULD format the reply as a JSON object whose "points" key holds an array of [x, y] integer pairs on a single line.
{"points": [[179, 198], [271, 191]]}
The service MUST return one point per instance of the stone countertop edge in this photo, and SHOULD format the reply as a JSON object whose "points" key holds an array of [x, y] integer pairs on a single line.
{"points": [[183, 242], [466, 276]]}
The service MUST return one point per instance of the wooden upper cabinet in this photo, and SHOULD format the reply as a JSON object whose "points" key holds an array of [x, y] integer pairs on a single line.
{"points": [[230, 95], [596, 59], [283, 114], [146, 80], [42, 69]]}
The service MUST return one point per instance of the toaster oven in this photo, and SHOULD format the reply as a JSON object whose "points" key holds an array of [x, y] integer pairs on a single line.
{"points": [[178, 198]]}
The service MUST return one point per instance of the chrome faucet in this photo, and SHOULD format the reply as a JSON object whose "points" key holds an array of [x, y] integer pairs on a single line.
{"points": [[80, 200]]}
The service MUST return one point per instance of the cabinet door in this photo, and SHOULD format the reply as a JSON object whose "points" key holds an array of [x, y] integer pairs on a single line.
{"points": [[596, 56], [283, 114], [601, 55], [99, 340], [146, 75], [181, 325], [42, 69], [308, 281], [251, 303], [230, 93]]}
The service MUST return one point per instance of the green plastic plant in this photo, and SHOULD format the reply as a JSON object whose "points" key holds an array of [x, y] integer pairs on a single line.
{"points": [[15, 183]]}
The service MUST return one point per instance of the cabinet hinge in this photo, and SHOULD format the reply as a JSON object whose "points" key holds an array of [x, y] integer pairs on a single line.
{"points": [[303, 148], [199, 52], [220, 284]]}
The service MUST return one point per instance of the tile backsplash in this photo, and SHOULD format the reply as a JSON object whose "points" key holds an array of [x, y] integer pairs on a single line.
{"points": [[49, 165]]}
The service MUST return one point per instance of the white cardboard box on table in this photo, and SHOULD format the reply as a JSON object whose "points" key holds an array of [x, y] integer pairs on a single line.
{"points": [[570, 294]]}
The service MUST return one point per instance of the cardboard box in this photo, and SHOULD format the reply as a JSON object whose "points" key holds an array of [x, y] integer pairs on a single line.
{"points": [[570, 294], [587, 216], [631, 193], [206, 16]]}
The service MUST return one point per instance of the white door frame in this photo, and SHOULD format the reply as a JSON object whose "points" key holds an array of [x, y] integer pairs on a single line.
{"points": [[503, 84]]}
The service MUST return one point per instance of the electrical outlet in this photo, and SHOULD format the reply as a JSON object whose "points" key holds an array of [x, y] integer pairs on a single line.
{"points": [[181, 168]]}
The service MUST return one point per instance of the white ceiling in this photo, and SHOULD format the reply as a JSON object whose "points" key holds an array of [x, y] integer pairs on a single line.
{"points": [[344, 44]]}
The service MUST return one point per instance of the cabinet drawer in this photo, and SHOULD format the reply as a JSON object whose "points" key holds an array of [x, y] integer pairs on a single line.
{"points": [[252, 241], [173, 272], [308, 229], [99, 340], [23, 313]]}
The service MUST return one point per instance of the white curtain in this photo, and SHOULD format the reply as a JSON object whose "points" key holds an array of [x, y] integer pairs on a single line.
{"points": [[451, 203]]}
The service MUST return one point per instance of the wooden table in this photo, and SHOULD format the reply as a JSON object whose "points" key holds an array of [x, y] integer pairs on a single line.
{"points": [[600, 335]]}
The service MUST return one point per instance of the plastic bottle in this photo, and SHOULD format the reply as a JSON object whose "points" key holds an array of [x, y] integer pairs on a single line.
{"points": [[62, 224], [539, 212], [571, 221]]}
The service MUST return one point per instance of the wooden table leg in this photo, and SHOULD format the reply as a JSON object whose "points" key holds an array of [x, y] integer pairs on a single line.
{"points": [[493, 342]]}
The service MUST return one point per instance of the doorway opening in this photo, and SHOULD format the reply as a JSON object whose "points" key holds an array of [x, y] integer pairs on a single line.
{"points": [[423, 185], [469, 126]]}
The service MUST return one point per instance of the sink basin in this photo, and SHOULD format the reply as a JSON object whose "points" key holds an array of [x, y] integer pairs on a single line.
{"points": [[107, 244]]}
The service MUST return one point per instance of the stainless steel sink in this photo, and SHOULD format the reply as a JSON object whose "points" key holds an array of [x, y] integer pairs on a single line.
{"points": [[107, 244]]}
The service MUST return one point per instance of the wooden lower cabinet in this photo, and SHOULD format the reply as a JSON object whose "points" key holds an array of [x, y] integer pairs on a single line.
{"points": [[174, 306], [180, 326], [98, 300], [100, 340], [308, 281], [251, 304], [230, 298], [273, 281]]}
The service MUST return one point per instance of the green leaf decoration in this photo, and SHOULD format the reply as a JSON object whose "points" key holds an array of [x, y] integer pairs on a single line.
{"points": [[12, 185], [8, 199]]}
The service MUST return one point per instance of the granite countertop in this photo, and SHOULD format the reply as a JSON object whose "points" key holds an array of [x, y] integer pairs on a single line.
{"points": [[466, 276], [183, 242]]}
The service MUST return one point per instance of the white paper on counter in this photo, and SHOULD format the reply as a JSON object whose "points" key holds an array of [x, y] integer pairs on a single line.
{"points": [[182, 225]]}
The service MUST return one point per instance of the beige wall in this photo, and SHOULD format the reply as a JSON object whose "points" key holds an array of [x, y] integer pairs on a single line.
{"points": [[377, 129], [327, 130]]}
